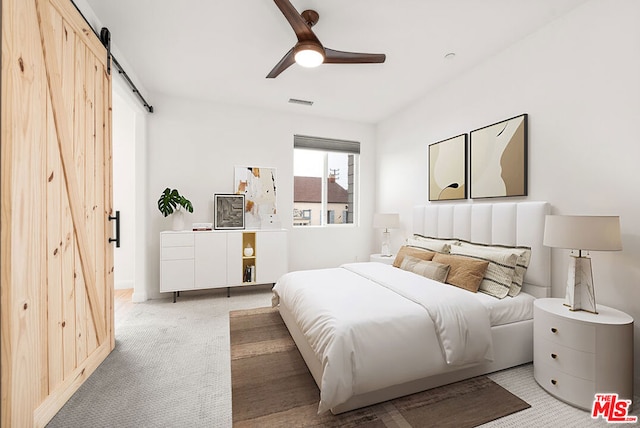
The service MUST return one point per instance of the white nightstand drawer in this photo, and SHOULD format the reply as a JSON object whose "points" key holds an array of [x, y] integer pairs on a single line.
{"points": [[576, 335], [577, 391], [570, 361], [177, 253], [177, 240]]}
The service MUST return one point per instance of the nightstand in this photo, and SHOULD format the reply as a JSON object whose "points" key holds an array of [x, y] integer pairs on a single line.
{"points": [[577, 354], [382, 259]]}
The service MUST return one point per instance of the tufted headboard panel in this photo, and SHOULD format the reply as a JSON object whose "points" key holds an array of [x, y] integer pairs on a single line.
{"points": [[512, 224]]}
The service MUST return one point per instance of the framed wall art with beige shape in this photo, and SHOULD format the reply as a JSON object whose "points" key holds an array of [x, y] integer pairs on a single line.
{"points": [[498, 159]]}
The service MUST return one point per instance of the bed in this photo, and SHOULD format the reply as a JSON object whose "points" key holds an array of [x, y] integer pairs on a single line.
{"points": [[406, 345]]}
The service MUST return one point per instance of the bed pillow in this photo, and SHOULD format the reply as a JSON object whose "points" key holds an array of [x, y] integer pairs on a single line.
{"points": [[499, 274], [464, 272], [428, 269], [522, 263], [434, 244], [419, 253]]}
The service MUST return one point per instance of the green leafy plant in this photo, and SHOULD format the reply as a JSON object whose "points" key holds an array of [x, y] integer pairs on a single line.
{"points": [[171, 201]]}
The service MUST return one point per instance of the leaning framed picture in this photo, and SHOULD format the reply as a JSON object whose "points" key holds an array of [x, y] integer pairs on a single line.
{"points": [[258, 185], [448, 169], [228, 211], [498, 159]]}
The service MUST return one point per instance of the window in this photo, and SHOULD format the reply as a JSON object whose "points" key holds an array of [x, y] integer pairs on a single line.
{"points": [[325, 181]]}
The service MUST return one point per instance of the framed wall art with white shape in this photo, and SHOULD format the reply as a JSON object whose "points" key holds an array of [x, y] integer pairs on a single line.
{"points": [[448, 169]]}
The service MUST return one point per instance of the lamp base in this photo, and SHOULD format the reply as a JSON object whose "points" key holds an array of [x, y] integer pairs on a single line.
{"points": [[386, 244], [580, 294]]}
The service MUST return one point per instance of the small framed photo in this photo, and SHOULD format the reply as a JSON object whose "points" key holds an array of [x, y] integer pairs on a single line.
{"points": [[229, 211]]}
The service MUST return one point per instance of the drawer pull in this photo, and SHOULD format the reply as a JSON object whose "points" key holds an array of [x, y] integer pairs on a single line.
{"points": [[554, 382], [554, 330], [554, 356]]}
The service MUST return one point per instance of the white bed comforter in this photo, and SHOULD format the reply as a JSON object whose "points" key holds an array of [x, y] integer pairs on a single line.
{"points": [[373, 326]]}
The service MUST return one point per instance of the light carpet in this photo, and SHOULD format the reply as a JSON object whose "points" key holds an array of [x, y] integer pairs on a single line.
{"points": [[139, 384]]}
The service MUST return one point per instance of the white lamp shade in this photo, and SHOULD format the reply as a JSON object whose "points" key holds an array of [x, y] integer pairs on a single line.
{"points": [[597, 233], [386, 221]]}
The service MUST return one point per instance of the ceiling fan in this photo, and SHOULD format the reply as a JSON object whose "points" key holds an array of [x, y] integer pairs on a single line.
{"points": [[309, 52]]}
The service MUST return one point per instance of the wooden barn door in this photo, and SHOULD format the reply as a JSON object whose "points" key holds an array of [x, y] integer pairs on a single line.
{"points": [[56, 299]]}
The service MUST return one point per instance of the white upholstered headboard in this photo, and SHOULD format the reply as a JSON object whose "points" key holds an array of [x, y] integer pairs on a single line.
{"points": [[513, 224]]}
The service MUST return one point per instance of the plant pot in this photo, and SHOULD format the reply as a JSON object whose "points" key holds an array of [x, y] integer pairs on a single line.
{"points": [[177, 219]]}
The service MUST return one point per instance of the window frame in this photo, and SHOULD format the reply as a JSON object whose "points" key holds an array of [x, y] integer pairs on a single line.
{"points": [[325, 146]]}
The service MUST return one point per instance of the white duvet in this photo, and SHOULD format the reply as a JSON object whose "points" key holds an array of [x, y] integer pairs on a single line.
{"points": [[373, 326]]}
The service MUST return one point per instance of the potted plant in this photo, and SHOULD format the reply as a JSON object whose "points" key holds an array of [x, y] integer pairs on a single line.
{"points": [[171, 202]]}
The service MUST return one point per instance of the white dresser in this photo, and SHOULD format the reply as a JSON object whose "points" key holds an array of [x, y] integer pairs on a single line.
{"points": [[578, 354], [215, 259]]}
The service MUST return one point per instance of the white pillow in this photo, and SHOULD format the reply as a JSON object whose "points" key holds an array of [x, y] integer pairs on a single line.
{"points": [[522, 263], [499, 274], [432, 244]]}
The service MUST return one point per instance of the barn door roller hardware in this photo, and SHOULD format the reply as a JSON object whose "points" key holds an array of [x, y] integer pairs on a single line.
{"points": [[105, 39]]}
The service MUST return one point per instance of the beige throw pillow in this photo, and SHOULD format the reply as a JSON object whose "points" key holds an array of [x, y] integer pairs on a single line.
{"points": [[464, 272], [428, 269], [419, 253]]}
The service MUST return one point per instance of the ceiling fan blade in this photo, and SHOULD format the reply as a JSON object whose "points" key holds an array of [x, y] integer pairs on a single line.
{"points": [[339, 57], [299, 25], [286, 62]]}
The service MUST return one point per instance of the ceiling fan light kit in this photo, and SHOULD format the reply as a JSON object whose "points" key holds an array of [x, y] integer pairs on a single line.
{"points": [[309, 52]]}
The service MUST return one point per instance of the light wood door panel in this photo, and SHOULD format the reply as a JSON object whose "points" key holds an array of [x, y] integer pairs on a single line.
{"points": [[57, 263]]}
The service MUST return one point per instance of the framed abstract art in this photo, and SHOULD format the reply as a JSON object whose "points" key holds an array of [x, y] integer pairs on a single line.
{"points": [[229, 211], [447, 169], [498, 159], [258, 185]]}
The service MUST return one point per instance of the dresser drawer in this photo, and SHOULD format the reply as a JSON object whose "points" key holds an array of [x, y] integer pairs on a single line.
{"points": [[565, 332], [176, 240], [564, 359], [177, 253], [577, 391]]}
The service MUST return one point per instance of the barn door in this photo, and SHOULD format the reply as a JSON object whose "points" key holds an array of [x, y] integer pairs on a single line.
{"points": [[57, 262]]}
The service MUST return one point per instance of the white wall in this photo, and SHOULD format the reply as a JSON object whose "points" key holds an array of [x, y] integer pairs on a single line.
{"points": [[124, 145], [579, 81], [128, 108], [194, 147]]}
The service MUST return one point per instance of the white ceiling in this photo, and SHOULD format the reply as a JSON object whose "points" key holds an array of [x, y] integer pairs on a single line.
{"points": [[222, 50]]}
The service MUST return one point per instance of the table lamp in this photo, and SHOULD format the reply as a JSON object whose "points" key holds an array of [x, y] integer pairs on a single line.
{"points": [[582, 234], [386, 222]]}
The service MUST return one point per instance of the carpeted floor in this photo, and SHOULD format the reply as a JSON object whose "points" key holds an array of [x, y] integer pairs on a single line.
{"points": [[272, 387], [156, 378]]}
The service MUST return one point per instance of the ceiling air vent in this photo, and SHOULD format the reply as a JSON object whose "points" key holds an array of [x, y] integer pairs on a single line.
{"points": [[301, 102]]}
